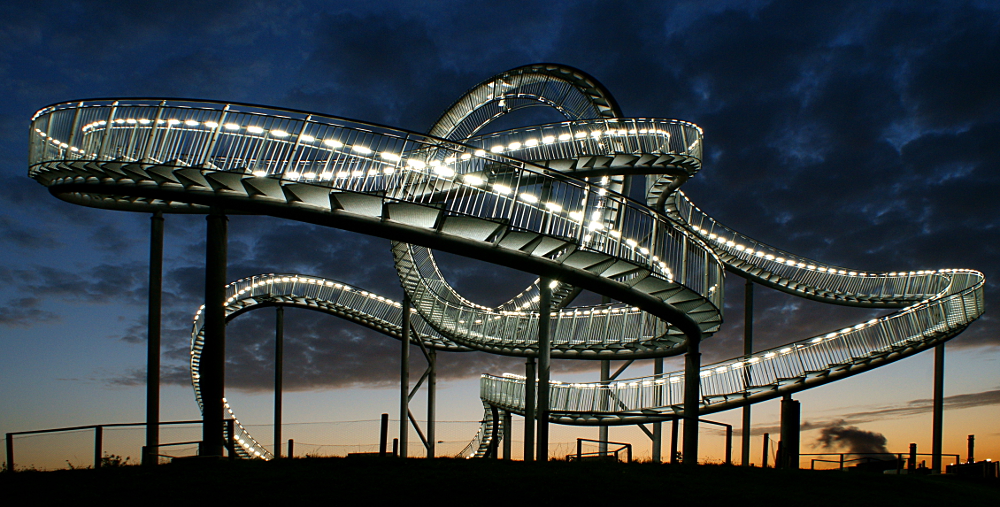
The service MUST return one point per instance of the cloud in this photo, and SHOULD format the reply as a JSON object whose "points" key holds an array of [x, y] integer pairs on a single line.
{"points": [[888, 412], [854, 133], [25, 313], [851, 439]]}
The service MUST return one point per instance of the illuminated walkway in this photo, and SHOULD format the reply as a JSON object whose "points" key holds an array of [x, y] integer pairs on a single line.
{"points": [[546, 199]]}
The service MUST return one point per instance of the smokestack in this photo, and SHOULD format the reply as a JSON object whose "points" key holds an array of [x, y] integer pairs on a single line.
{"points": [[972, 449]]}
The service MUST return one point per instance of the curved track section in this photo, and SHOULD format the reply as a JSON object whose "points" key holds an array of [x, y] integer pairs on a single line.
{"points": [[319, 294], [593, 142], [154, 155], [766, 374]]}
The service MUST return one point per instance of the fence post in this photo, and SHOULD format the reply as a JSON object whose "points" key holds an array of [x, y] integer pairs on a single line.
{"points": [[291, 448], [10, 452], [98, 445], [579, 449], [729, 444], [766, 437], [383, 439]]}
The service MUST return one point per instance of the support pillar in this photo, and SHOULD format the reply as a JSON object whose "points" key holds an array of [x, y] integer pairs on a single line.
{"points": [[529, 409], [658, 426], [431, 401], [938, 419], [153, 340], [747, 350], [602, 437], [692, 399], [279, 359], [508, 435], [383, 436], [673, 441], [544, 366], [213, 356], [789, 448], [404, 380]]}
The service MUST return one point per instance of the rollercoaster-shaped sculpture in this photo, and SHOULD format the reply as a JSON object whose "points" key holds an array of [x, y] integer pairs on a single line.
{"points": [[546, 199]]}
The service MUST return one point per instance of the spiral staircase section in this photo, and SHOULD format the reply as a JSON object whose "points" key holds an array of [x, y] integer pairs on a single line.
{"points": [[332, 297]]}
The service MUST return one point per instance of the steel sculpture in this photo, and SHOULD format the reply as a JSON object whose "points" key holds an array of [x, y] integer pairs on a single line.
{"points": [[546, 199]]}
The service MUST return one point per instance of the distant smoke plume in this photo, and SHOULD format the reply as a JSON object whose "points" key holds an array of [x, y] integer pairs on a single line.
{"points": [[852, 439]]}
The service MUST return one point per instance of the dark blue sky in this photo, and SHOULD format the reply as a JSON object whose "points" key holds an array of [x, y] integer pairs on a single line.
{"points": [[865, 134]]}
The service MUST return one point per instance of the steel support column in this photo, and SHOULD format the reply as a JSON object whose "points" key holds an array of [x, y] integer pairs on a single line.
{"points": [[658, 426], [404, 379], [938, 419], [602, 436], [747, 350], [153, 340], [673, 441], [788, 456], [692, 399], [431, 400], [544, 365], [529, 409], [279, 359], [213, 356], [508, 434]]}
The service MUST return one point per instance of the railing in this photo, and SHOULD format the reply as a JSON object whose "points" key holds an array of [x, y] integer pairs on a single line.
{"points": [[610, 453], [824, 280], [99, 457], [393, 165], [897, 459], [735, 379], [571, 140]]}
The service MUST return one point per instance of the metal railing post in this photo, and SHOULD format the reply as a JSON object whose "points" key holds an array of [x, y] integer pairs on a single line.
{"points": [[10, 452], [98, 445], [106, 140]]}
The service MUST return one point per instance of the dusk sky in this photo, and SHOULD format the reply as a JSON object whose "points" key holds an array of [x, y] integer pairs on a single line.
{"points": [[862, 134]]}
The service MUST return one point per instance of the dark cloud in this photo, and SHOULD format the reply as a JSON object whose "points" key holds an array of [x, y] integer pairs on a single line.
{"points": [[23, 237], [889, 412], [851, 439], [24, 313], [854, 133]]}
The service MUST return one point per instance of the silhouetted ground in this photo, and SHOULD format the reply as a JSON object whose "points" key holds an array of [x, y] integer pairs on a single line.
{"points": [[486, 483]]}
